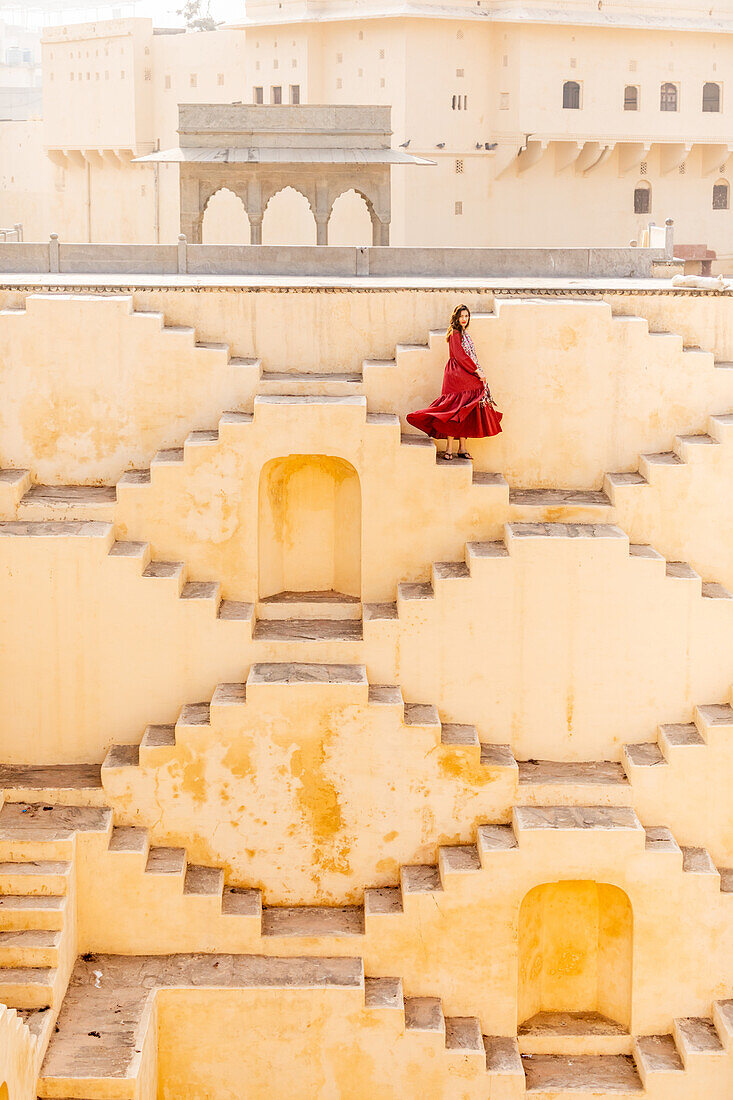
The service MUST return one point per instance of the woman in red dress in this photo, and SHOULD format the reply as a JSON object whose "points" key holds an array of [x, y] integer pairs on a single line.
{"points": [[465, 408]]}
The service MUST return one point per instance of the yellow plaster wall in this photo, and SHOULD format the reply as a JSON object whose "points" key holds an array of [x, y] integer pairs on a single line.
{"points": [[89, 389], [308, 1043]]}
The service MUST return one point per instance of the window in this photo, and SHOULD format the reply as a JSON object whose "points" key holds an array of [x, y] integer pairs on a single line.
{"points": [[571, 95], [257, 65], [632, 66], [459, 34], [459, 72], [294, 63], [193, 80], [459, 208], [339, 82], [71, 76], [220, 80], [573, 62], [295, 93], [642, 199], [505, 61], [339, 58], [503, 101], [167, 83], [258, 95], [631, 98], [276, 64], [453, 102], [361, 35], [721, 195], [711, 97], [459, 167], [382, 82], [276, 94], [668, 97], [381, 55]]}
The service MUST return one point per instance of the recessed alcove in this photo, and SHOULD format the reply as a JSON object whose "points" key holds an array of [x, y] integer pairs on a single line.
{"points": [[575, 963], [309, 527]]}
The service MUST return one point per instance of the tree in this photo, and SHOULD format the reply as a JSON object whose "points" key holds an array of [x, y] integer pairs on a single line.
{"points": [[197, 14]]}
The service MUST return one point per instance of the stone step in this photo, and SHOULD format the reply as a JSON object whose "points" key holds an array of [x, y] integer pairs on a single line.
{"points": [[573, 1034], [68, 784], [463, 1034], [285, 383], [657, 1056], [27, 987], [35, 878], [346, 920], [81, 502], [552, 1076], [23, 912], [697, 1038], [308, 630], [384, 993], [723, 1020], [555, 782], [424, 1014], [130, 839], [39, 831], [166, 861], [203, 881], [29, 948], [309, 605], [504, 1061]]}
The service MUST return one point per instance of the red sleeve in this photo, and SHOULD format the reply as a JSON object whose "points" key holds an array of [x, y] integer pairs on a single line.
{"points": [[456, 350]]}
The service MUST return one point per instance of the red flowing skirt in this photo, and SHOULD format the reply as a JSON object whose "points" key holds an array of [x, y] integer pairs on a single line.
{"points": [[458, 414]]}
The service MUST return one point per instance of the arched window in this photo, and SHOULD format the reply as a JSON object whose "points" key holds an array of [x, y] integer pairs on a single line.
{"points": [[631, 98], [668, 97], [453, 102], [711, 97], [571, 95], [642, 198], [721, 195]]}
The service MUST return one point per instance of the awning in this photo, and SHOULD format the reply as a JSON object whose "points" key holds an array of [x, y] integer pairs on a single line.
{"points": [[293, 155]]}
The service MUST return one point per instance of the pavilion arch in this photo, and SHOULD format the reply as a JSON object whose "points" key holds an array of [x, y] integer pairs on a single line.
{"points": [[288, 218], [575, 951], [4, 1092], [351, 221], [309, 526], [225, 219]]}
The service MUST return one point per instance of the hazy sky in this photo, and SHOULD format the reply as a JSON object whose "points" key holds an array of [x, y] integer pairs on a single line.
{"points": [[163, 12]]}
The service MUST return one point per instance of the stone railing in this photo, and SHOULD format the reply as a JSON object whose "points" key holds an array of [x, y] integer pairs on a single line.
{"points": [[14, 234], [333, 261]]}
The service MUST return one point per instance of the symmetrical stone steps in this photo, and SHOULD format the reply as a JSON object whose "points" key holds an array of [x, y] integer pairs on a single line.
{"points": [[229, 700], [45, 834]]}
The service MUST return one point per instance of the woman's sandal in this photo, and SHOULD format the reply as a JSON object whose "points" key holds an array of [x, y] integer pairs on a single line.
{"points": [[447, 456], [464, 454]]}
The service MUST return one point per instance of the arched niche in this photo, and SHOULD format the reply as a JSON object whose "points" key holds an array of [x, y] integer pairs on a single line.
{"points": [[225, 220], [575, 952], [309, 526], [351, 221], [4, 1092], [288, 219]]}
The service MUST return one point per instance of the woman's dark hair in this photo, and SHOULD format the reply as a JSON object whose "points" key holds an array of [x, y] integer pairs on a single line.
{"points": [[454, 325]]}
